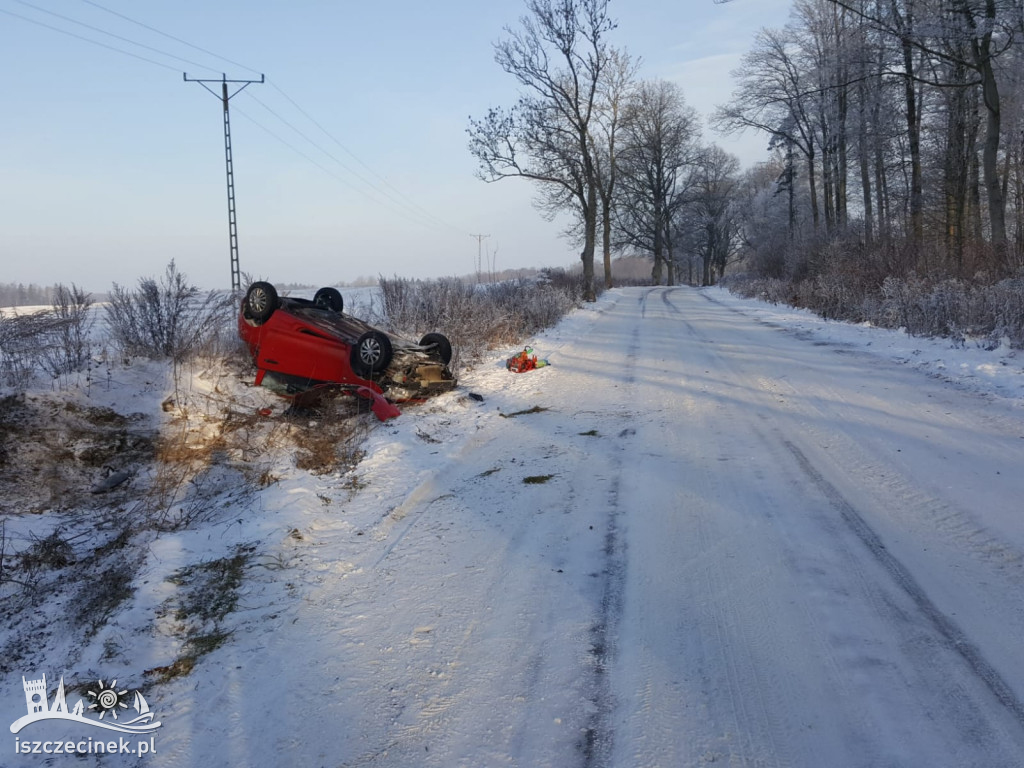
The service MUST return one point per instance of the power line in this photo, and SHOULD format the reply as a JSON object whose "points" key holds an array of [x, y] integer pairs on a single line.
{"points": [[109, 34], [89, 40], [347, 182], [407, 200], [169, 36], [351, 154], [403, 207]]}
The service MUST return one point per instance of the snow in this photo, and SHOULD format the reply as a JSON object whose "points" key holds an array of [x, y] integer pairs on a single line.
{"points": [[750, 537]]}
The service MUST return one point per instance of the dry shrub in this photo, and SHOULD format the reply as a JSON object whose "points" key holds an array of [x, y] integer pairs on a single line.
{"points": [[954, 308], [70, 344], [56, 341], [22, 343], [169, 318], [949, 308], [476, 317]]}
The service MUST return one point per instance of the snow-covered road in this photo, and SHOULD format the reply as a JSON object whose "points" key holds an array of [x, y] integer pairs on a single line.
{"points": [[694, 539]]}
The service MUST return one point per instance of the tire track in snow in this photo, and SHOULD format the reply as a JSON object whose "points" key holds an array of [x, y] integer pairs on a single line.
{"points": [[953, 638], [599, 736]]}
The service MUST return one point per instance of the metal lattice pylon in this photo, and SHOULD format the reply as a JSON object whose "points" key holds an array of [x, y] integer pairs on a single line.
{"points": [[225, 97]]}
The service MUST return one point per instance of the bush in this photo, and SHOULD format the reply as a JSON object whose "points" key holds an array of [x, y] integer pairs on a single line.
{"points": [[56, 341], [477, 317], [949, 308], [167, 318], [954, 308], [21, 340], [70, 337]]}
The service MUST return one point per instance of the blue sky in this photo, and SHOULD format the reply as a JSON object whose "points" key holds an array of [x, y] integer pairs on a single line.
{"points": [[350, 160]]}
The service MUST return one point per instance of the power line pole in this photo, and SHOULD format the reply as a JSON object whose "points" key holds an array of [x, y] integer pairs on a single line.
{"points": [[236, 277], [479, 252]]}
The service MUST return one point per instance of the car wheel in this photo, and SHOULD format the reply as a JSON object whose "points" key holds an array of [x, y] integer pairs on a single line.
{"points": [[329, 298], [439, 342], [261, 301], [371, 354]]}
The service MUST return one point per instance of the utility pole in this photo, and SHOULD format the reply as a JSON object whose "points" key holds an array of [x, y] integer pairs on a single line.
{"points": [[479, 253], [236, 277]]}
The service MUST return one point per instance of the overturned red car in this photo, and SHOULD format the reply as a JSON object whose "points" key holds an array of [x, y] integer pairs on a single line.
{"points": [[305, 346]]}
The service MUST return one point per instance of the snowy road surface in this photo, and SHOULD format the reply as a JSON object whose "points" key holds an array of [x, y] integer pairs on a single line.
{"points": [[695, 539]]}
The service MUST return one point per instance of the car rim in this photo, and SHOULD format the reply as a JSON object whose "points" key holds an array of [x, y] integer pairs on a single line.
{"points": [[258, 301], [369, 351]]}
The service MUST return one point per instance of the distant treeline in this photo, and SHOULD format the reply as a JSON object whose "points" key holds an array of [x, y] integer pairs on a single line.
{"points": [[21, 295]]}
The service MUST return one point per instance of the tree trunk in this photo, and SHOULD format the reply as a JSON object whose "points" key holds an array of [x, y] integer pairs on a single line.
{"points": [[656, 234], [791, 189], [865, 172], [841, 151], [670, 259], [956, 168], [827, 168], [990, 159], [914, 143], [589, 243], [881, 186], [974, 201], [1018, 186], [606, 244], [813, 184]]}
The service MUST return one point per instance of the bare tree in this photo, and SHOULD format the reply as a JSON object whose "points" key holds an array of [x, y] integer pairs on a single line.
{"points": [[713, 212], [615, 87], [558, 55], [659, 146]]}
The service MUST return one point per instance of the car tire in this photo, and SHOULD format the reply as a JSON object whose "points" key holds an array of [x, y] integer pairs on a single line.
{"points": [[371, 354], [440, 342], [260, 302], [329, 298]]}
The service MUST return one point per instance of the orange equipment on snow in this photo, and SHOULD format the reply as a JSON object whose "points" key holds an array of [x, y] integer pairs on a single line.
{"points": [[524, 361]]}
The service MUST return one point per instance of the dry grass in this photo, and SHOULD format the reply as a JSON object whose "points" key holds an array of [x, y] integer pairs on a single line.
{"points": [[206, 594], [52, 451], [513, 414], [325, 438], [537, 479]]}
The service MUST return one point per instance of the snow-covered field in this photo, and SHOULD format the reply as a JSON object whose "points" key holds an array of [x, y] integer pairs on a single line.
{"points": [[712, 531]]}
